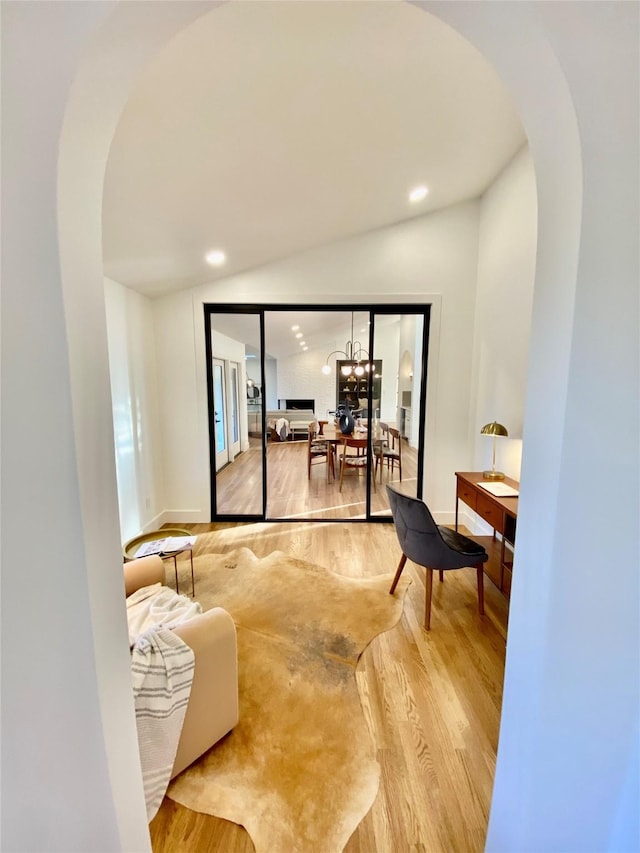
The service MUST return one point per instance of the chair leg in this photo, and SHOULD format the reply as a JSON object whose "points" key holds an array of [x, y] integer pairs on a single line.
{"points": [[342, 467], [427, 603], [403, 560], [480, 574], [441, 573]]}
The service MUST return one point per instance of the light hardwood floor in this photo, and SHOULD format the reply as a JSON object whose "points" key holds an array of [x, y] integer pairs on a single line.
{"points": [[292, 494], [432, 700]]}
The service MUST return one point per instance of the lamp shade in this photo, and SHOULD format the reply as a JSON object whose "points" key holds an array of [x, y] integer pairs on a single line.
{"points": [[494, 428]]}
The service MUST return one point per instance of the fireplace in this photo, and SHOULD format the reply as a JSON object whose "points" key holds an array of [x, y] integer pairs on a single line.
{"points": [[298, 403]]}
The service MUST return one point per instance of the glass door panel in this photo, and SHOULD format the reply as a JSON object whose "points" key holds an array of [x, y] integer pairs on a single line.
{"points": [[399, 344], [236, 415], [319, 362]]}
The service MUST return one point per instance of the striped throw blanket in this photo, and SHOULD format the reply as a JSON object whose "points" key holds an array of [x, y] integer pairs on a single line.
{"points": [[162, 672]]}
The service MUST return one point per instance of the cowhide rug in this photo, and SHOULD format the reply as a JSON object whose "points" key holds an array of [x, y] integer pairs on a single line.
{"points": [[299, 770]]}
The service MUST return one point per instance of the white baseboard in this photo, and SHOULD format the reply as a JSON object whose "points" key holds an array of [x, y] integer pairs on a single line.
{"points": [[176, 516], [466, 518], [446, 518], [153, 524]]}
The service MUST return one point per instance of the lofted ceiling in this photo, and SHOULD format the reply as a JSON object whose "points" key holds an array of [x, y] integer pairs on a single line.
{"points": [[287, 331], [268, 128]]}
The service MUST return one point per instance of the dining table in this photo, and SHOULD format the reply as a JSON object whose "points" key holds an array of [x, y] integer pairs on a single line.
{"points": [[333, 436]]}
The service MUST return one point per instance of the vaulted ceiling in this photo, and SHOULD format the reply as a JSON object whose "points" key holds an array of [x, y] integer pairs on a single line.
{"points": [[268, 128]]}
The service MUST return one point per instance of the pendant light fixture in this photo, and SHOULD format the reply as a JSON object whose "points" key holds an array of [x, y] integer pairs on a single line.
{"points": [[355, 353]]}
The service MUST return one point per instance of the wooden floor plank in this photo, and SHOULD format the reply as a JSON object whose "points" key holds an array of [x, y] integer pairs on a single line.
{"points": [[431, 699]]}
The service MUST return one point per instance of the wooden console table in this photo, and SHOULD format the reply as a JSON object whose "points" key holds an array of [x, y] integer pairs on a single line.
{"points": [[500, 513]]}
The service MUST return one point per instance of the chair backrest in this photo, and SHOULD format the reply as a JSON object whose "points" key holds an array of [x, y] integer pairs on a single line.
{"points": [[418, 534], [313, 444], [395, 439], [354, 442], [349, 441]]}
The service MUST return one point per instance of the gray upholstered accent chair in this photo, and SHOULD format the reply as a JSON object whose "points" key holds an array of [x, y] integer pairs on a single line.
{"points": [[432, 546]]}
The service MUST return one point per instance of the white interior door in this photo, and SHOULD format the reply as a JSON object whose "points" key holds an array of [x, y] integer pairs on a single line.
{"points": [[233, 409], [220, 414]]}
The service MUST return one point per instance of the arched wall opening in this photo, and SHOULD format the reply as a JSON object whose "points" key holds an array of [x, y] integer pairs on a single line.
{"points": [[92, 115], [97, 98]]}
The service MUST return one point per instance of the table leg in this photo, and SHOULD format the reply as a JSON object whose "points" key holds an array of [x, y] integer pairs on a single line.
{"points": [[175, 568]]}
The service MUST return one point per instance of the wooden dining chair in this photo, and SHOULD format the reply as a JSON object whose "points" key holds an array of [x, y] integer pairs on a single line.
{"points": [[391, 453], [358, 460], [318, 452]]}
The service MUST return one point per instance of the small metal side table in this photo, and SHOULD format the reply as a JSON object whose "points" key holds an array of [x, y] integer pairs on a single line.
{"points": [[129, 549]]}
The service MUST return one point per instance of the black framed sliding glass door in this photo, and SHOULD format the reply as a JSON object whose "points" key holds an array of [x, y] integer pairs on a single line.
{"points": [[300, 365]]}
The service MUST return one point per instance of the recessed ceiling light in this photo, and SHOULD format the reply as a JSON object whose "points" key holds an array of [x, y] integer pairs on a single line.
{"points": [[298, 334], [216, 258], [418, 193], [304, 349], [303, 343], [295, 328]]}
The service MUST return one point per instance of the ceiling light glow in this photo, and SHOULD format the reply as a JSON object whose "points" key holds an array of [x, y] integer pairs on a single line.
{"points": [[216, 258], [418, 194]]}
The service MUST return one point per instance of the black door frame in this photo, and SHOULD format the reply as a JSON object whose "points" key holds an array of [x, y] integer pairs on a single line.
{"points": [[259, 310]]}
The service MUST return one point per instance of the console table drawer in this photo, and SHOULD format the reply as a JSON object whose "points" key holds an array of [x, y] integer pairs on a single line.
{"points": [[467, 494], [491, 513], [501, 513]]}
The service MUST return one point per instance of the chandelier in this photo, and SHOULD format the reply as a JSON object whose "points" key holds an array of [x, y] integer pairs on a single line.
{"points": [[353, 352]]}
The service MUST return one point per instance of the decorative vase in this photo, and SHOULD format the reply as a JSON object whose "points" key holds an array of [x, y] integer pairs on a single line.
{"points": [[346, 421]]}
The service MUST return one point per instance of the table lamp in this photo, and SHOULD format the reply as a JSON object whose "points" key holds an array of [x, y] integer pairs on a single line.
{"points": [[493, 429]]}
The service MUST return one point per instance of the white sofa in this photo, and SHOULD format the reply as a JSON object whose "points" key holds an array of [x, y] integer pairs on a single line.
{"points": [[213, 703]]}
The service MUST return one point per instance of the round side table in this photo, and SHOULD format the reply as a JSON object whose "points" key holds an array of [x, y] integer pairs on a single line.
{"points": [[129, 549]]}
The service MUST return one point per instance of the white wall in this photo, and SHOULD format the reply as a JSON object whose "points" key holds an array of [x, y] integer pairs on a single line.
{"points": [[64, 743], [429, 259], [183, 409], [70, 767], [301, 375], [502, 326], [137, 426], [571, 705]]}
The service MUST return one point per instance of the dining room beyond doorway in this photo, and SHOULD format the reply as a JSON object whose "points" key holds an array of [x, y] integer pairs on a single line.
{"points": [[308, 362]]}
